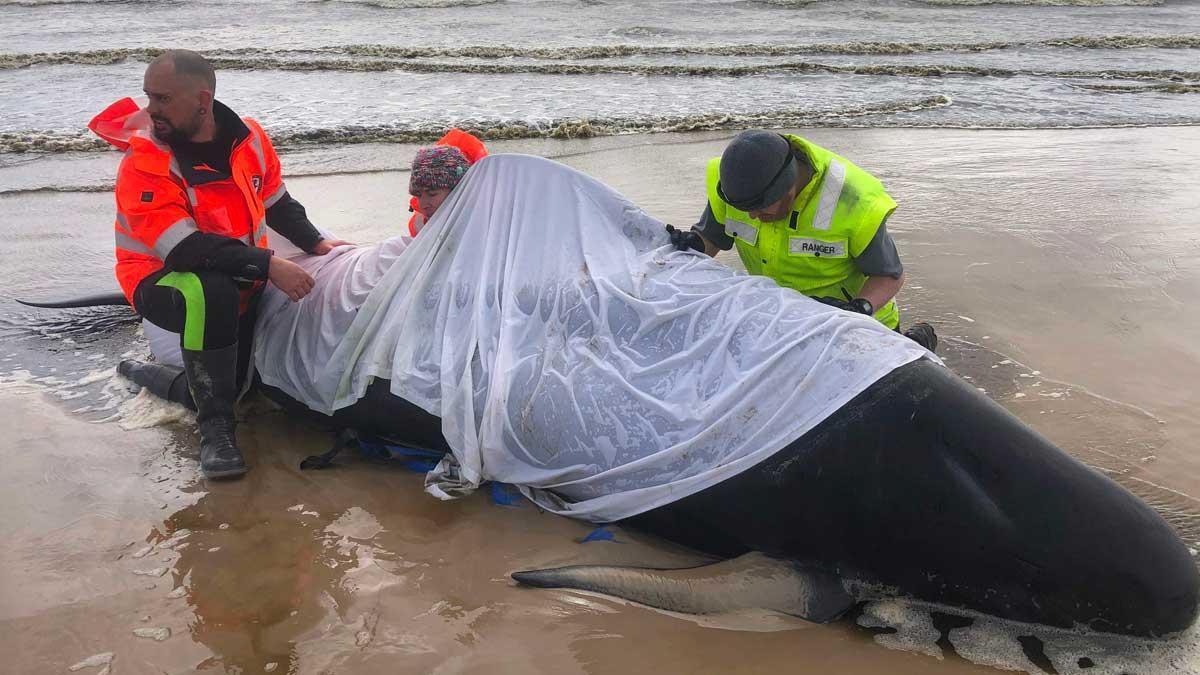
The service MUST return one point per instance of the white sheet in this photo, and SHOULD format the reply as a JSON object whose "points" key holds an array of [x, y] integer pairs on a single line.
{"points": [[165, 345], [568, 349]]}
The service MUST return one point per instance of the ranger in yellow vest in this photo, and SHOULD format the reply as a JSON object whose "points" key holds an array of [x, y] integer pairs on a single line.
{"points": [[809, 219]]}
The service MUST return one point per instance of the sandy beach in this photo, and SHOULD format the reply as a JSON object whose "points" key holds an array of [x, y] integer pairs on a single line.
{"points": [[1059, 267]]}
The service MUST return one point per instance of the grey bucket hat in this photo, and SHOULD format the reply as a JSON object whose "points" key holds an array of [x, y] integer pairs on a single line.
{"points": [[757, 169]]}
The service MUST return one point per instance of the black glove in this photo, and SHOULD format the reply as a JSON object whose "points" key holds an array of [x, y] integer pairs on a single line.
{"points": [[836, 302], [856, 305], [685, 239]]}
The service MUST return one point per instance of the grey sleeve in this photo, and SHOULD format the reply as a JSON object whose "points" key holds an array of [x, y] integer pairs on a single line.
{"points": [[713, 231], [880, 258]]}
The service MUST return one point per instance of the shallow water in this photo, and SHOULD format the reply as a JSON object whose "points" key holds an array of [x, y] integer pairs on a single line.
{"points": [[1058, 266], [357, 570], [335, 72]]}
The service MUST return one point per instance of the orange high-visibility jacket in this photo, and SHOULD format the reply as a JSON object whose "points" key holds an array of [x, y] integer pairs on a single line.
{"points": [[157, 208], [471, 147]]}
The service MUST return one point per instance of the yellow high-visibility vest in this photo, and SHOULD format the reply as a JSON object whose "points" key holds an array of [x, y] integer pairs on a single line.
{"points": [[837, 216]]}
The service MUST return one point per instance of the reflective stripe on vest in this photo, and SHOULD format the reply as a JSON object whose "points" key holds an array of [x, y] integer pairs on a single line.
{"points": [[831, 191], [744, 231]]}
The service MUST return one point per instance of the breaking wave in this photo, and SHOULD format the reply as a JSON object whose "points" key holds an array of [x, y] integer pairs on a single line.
{"points": [[1047, 3], [589, 128], [110, 56], [689, 70], [39, 3], [897, 70], [416, 4], [1160, 87], [94, 57], [50, 141], [94, 187], [58, 141]]}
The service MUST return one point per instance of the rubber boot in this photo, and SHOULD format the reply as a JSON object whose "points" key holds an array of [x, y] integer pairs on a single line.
{"points": [[166, 382], [923, 334], [212, 377]]}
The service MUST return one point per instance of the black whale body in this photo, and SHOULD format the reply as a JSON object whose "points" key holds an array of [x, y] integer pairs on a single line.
{"points": [[924, 484], [921, 483]]}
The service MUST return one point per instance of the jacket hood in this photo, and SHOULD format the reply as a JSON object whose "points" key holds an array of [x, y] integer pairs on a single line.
{"points": [[123, 121]]}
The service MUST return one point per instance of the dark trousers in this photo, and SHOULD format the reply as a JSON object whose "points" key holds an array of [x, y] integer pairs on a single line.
{"points": [[204, 307]]}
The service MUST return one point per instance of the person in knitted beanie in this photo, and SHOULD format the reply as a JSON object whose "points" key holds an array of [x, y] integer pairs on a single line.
{"points": [[435, 172]]}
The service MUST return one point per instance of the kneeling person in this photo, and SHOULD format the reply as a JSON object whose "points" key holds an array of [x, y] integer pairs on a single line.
{"points": [[809, 219], [195, 191]]}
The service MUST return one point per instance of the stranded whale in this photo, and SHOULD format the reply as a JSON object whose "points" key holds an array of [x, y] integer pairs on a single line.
{"points": [[541, 332]]}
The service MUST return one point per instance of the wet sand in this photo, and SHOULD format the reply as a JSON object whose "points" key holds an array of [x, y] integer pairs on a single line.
{"points": [[352, 569], [1057, 267]]}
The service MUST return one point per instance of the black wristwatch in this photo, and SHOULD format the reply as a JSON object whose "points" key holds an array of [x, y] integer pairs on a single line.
{"points": [[862, 306]]}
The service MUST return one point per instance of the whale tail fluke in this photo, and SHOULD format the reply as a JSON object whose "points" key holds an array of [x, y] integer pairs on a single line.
{"points": [[100, 300], [752, 581]]}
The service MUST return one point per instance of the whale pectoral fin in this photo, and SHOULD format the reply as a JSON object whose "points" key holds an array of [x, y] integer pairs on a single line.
{"points": [[752, 581]]}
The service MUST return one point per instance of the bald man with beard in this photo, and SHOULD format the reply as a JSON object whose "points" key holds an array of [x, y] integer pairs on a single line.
{"points": [[194, 193]]}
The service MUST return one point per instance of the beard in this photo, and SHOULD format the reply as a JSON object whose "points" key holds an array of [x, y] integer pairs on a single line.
{"points": [[173, 134]]}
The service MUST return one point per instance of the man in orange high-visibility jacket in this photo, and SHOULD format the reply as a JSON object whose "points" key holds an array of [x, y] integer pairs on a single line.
{"points": [[195, 192]]}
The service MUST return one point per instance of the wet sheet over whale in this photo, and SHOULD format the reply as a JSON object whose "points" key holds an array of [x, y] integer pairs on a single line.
{"points": [[568, 350]]}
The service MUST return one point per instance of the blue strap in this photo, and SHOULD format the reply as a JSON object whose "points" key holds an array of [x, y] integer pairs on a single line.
{"points": [[423, 461], [413, 459], [504, 494], [601, 533]]}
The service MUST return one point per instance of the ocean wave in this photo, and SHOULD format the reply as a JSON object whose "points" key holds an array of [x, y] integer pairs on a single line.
{"points": [[855, 48], [39, 3], [1047, 3], [799, 67], [92, 187], [642, 31], [94, 57], [10, 61], [1159, 87], [50, 142], [490, 130], [416, 4], [1122, 42], [598, 126]]}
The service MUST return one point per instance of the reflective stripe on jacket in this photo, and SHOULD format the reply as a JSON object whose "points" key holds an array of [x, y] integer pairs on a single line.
{"points": [[836, 216], [157, 208]]}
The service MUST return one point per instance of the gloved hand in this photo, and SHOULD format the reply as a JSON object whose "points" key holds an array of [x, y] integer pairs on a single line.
{"points": [[856, 305], [836, 302], [685, 239]]}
